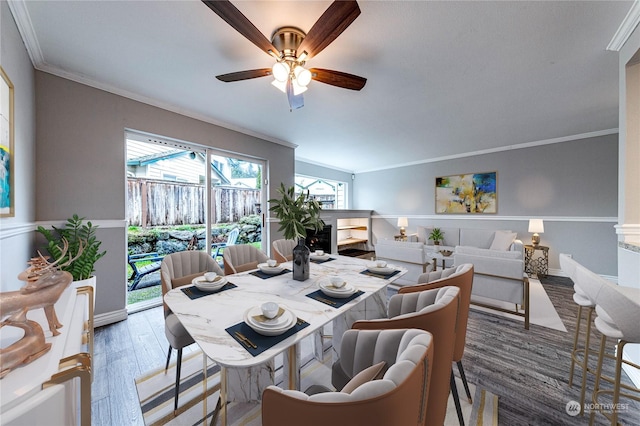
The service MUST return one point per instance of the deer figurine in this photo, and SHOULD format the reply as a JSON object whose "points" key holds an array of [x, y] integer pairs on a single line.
{"points": [[45, 284]]}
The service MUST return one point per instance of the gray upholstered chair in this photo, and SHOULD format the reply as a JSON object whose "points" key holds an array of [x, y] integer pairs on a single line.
{"points": [[618, 310], [462, 277], [178, 269], [283, 250], [391, 372], [435, 311], [242, 257]]}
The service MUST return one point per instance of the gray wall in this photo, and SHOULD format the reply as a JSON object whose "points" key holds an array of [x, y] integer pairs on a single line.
{"points": [[571, 185], [15, 232], [81, 163], [308, 169]]}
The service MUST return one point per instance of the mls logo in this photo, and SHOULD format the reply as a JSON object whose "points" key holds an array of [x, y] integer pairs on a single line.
{"points": [[573, 408]]}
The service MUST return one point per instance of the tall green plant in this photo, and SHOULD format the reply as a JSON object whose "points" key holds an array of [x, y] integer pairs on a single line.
{"points": [[296, 213], [76, 232]]}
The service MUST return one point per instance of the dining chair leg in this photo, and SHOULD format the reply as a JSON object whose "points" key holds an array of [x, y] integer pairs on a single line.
{"points": [[456, 399], [464, 381], [177, 390], [166, 367]]}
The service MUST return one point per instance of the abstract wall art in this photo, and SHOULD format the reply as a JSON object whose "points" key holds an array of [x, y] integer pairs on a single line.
{"points": [[6, 147], [474, 193]]}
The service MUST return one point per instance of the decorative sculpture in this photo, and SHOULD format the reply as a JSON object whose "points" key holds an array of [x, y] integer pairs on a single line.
{"points": [[45, 283]]}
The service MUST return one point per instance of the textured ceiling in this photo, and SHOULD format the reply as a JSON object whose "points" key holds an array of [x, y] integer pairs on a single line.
{"points": [[444, 78]]}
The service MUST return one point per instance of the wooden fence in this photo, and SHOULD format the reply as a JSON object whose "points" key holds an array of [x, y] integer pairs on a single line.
{"points": [[156, 203]]}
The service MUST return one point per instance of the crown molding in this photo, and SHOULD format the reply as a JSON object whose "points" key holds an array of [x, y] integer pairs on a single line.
{"points": [[499, 149], [25, 28], [626, 28]]}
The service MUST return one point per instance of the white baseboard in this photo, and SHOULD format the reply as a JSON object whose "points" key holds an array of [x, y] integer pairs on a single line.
{"points": [[109, 318]]}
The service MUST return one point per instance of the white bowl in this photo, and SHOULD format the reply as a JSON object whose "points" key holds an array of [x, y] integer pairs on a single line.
{"points": [[337, 282], [269, 309]]}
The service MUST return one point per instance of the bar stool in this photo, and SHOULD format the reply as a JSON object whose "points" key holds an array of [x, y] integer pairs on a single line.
{"points": [[582, 280], [618, 310]]}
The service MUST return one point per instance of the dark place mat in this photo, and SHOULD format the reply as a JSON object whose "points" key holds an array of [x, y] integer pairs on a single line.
{"points": [[264, 276], [383, 276], [334, 302], [261, 342], [194, 292], [322, 261]]}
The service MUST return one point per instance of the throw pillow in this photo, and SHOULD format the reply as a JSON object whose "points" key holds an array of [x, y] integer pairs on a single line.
{"points": [[448, 272], [502, 240], [375, 372]]}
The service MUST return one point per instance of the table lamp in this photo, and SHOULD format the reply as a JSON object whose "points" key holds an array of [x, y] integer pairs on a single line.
{"points": [[403, 222], [536, 226]]}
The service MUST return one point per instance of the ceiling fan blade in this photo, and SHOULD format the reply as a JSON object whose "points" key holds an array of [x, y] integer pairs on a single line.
{"points": [[337, 78], [329, 26], [244, 75], [235, 18]]}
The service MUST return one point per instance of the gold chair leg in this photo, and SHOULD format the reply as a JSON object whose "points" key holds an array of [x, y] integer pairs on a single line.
{"points": [[575, 345], [585, 361], [596, 386]]}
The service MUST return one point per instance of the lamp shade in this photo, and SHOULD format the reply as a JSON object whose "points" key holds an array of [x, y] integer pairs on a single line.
{"points": [[403, 222], [536, 226]]}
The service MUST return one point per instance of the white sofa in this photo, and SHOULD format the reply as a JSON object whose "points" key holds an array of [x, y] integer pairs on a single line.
{"points": [[497, 257]]}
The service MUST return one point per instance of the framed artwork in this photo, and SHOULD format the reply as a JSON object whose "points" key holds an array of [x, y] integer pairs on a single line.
{"points": [[7, 187], [474, 193]]}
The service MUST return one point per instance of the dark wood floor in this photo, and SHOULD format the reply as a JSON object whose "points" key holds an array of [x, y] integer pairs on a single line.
{"points": [[528, 370]]}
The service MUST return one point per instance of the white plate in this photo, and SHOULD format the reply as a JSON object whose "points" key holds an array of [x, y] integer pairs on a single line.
{"points": [[317, 257], [272, 270], [202, 284], [384, 271], [341, 293], [260, 328], [275, 323]]}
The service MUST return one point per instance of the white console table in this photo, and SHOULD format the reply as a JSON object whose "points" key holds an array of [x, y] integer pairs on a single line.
{"points": [[43, 391]]}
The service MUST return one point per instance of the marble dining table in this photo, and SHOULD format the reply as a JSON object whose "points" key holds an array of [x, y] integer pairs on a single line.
{"points": [[244, 376]]}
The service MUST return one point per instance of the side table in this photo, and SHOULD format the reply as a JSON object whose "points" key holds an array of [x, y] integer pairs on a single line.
{"points": [[439, 256], [538, 265]]}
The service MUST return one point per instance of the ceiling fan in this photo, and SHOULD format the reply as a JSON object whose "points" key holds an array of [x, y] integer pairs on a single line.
{"points": [[291, 48]]}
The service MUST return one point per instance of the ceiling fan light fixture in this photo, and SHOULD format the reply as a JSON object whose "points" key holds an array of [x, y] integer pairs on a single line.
{"points": [[297, 88], [281, 85], [280, 71], [303, 76]]}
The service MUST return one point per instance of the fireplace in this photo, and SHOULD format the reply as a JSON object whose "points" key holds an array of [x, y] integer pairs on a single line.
{"points": [[320, 240]]}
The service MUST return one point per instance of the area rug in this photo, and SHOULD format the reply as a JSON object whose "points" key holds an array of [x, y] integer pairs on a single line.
{"points": [[155, 392], [542, 312]]}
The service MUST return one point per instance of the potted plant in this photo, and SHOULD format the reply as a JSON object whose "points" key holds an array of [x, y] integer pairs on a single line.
{"points": [[77, 234], [297, 214], [436, 236]]}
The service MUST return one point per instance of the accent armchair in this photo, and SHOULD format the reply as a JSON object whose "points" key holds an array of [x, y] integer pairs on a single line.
{"points": [[434, 311], [399, 397]]}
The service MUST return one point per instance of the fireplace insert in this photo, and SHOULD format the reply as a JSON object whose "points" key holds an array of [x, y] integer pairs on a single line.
{"points": [[320, 240]]}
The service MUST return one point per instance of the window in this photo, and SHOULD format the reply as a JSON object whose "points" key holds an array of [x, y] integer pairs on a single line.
{"points": [[330, 193]]}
